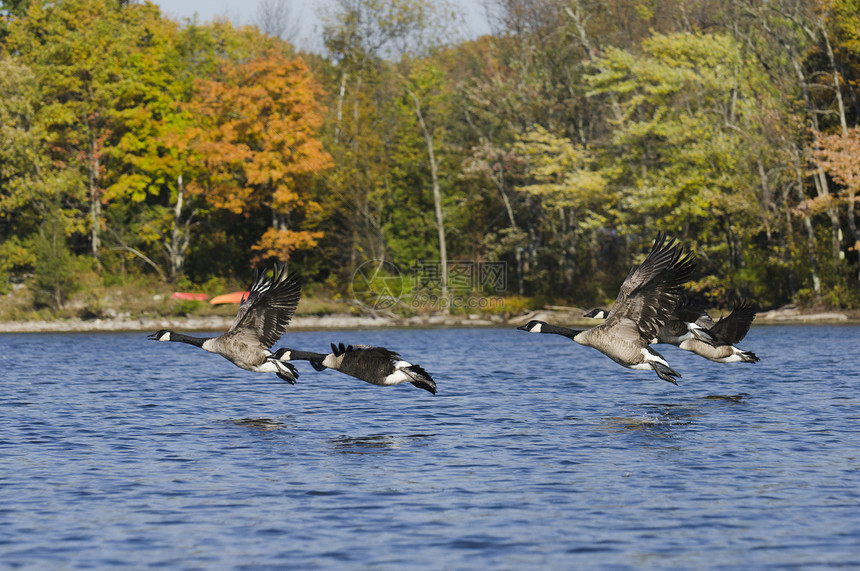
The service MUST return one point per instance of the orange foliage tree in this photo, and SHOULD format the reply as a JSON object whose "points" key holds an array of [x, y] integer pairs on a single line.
{"points": [[256, 140], [839, 156]]}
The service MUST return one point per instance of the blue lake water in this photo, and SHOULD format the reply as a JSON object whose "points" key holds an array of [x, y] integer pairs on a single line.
{"points": [[120, 452]]}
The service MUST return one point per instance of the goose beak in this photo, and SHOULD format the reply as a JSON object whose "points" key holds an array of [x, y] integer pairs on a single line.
{"points": [[523, 327], [153, 337]]}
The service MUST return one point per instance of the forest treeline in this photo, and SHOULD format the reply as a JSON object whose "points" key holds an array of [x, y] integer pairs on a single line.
{"points": [[556, 146]]}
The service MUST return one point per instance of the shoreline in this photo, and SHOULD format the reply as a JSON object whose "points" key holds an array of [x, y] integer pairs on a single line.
{"points": [[788, 315], [217, 323]]}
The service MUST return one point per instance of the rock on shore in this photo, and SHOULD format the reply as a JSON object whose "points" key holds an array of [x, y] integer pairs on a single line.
{"points": [[216, 323]]}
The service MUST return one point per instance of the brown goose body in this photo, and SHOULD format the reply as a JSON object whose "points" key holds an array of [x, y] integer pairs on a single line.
{"points": [[262, 319], [693, 330], [725, 333], [646, 299]]}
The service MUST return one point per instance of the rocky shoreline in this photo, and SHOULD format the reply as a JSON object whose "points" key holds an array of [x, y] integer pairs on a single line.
{"points": [[554, 314], [216, 323]]}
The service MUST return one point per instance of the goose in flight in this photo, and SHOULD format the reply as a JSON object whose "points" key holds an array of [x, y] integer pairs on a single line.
{"points": [[730, 329], [375, 365], [684, 323], [647, 297], [262, 318], [695, 331]]}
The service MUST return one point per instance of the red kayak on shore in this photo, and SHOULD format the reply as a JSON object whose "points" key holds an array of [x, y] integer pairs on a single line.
{"points": [[190, 296], [234, 297]]}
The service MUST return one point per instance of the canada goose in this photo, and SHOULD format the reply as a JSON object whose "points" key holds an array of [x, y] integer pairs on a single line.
{"points": [[646, 298], [684, 323], [376, 365], [725, 333], [695, 331], [262, 318]]}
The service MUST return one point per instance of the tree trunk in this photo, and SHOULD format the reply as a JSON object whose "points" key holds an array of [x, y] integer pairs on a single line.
{"points": [[819, 177], [437, 199], [340, 96], [95, 203], [180, 234], [500, 184], [810, 232]]}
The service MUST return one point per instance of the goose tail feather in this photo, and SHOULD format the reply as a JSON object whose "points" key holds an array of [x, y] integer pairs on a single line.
{"points": [[287, 372], [318, 366], [749, 357], [665, 372], [421, 378]]}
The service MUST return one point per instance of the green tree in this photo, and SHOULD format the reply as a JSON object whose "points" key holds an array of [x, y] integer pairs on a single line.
{"points": [[372, 45], [32, 183], [574, 201], [79, 50], [680, 157], [55, 266]]}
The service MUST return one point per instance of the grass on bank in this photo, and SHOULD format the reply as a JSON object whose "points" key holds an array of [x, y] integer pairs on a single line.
{"points": [[135, 297], [89, 295]]}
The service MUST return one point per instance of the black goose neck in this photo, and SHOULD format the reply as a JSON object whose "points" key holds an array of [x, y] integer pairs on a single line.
{"points": [[558, 330], [306, 356], [191, 340]]}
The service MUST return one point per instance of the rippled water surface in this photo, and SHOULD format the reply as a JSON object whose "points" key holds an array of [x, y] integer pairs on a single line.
{"points": [[537, 453]]}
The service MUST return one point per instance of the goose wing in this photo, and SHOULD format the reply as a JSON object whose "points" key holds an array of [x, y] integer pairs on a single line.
{"points": [[688, 312], [734, 327], [381, 351], [368, 363], [650, 292], [264, 315]]}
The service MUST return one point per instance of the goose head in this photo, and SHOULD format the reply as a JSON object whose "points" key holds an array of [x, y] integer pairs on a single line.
{"points": [[163, 335], [596, 313], [283, 354], [533, 326]]}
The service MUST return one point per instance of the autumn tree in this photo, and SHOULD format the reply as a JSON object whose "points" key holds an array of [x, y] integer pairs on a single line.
{"points": [[839, 156], [257, 146]]}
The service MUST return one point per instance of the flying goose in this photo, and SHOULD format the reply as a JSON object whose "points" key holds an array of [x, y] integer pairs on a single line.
{"points": [[725, 333], [376, 365], [684, 323], [262, 318], [647, 297], [695, 331]]}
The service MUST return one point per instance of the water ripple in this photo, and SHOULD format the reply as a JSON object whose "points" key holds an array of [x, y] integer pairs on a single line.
{"points": [[536, 453]]}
